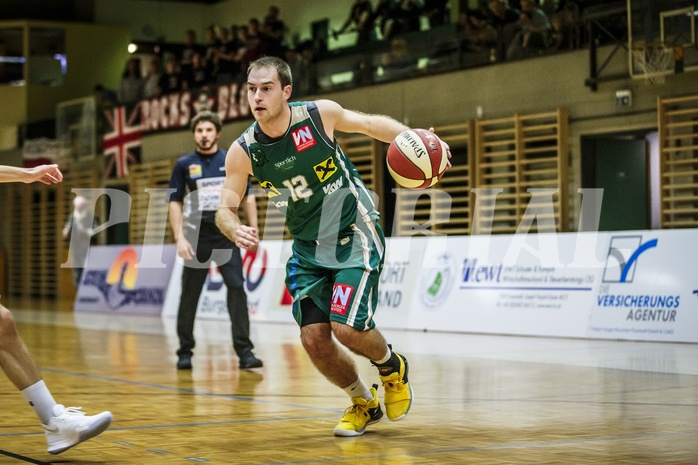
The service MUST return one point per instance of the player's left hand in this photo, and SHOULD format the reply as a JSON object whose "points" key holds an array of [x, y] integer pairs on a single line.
{"points": [[445, 145], [246, 238]]}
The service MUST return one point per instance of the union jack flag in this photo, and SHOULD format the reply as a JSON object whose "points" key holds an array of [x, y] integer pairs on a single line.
{"points": [[123, 141]]}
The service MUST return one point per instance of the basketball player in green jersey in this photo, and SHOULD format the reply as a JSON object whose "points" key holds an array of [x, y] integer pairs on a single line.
{"points": [[338, 247]]}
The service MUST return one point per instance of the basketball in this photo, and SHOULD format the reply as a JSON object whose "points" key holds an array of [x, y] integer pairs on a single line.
{"points": [[417, 159]]}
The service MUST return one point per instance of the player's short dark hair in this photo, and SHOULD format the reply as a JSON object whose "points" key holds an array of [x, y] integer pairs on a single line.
{"points": [[280, 65], [209, 116]]}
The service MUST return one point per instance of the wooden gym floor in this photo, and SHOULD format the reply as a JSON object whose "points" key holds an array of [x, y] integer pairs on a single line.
{"points": [[478, 399]]}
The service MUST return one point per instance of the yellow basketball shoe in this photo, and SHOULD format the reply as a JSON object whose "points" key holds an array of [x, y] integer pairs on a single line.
{"points": [[361, 414], [398, 393]]}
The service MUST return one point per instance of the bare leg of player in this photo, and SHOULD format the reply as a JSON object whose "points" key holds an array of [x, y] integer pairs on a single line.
{"points": [[370, 344], [64, 427], [15, 359], [333, 362]]}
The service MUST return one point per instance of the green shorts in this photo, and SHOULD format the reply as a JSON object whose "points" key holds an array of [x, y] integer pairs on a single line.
{"points": [[340, 274]]}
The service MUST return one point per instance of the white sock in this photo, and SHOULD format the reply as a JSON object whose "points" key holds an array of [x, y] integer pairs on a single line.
{"points": [[359, 389], [40, 400], [385, 359]]}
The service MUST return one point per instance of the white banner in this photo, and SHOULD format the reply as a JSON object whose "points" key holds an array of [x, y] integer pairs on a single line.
{"points": [[636, 285], [649, 287]]}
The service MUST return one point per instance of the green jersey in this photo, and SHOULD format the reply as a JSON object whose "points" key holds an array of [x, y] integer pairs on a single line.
{"points": [[307, 176]]}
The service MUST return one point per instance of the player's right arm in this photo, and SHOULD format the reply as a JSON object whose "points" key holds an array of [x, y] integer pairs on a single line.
{"points": [[47, 174], [184, 248], [237, 169]]}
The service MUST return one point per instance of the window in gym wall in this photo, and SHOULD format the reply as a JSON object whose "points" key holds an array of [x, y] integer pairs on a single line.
{"points": [[47, 59], [11, 57]]}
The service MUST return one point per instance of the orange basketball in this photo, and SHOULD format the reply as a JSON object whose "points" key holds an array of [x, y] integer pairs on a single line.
{"points": [[417, 159]]}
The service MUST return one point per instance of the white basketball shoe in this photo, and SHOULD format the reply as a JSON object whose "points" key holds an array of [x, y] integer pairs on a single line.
{"points": [[70, 426]]}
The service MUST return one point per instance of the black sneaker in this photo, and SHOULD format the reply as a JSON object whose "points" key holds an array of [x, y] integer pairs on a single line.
{"points": [[184, 362], [250, 361]]}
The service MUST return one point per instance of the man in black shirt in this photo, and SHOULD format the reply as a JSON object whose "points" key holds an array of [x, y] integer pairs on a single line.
{"points": [[199, 241]]}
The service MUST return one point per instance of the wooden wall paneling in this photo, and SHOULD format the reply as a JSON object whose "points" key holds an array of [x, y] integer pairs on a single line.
{"points": [[16, 273], [514, 155], [418, 206], [496, 147], [542, 163], [145, 208], [678, 142]]}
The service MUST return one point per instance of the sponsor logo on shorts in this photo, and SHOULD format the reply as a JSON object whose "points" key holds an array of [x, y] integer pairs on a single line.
{"points": [[341, 296]]}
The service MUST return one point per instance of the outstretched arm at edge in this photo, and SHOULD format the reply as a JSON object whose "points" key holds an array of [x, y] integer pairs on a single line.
{"points": [[47, 174]]}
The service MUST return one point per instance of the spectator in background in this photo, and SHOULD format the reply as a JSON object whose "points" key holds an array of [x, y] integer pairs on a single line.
{"points": [[213, 44], [436, 11], [255, 43], [534, 32], [187, 53], [565, 22], [475, 32], [273, 29], [306, 81], [384, 17], [398, 62], [131, 87], [294, 62], [361, 21], [225, 56], [407, 17], [151, 81], [172, 80], [78, 230], [504, 20], [197, 77]]}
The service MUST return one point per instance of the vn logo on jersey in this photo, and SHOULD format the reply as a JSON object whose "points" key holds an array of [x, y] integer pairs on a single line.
{"points": [[325, 169], [303, 138], [341, 296]]}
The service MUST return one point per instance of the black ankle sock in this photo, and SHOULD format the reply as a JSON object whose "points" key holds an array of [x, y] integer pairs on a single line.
{"points": [[389, 367]]}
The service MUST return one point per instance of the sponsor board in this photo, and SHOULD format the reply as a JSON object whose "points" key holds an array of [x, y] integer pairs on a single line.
{"points": [[635, 285], [116, 279], [647, 288], [480, 284], [262, 272]]}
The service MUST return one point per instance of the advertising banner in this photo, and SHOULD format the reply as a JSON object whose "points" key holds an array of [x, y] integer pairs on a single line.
{"points": [[528, 285], [649, 288], [635, 285], [263, 272], [125, 279]]}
